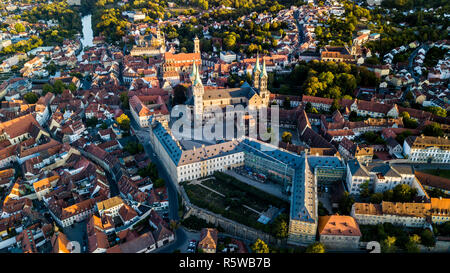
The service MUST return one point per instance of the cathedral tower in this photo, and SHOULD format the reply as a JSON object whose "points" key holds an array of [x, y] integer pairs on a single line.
{"points": [[196, 45], [256, 73], [263, 91], [198, 91]]}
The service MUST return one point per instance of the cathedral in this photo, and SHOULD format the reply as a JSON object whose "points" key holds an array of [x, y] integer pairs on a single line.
{"points": [[255, 96], [150, 45]]}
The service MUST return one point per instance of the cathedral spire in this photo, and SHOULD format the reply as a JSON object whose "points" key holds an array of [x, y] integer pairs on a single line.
{"points": [[257, 63], [264, 72], [198, 79], [194, 71]]}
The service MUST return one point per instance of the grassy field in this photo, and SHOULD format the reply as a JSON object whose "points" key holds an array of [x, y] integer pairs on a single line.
{"points": [[441, 173]]}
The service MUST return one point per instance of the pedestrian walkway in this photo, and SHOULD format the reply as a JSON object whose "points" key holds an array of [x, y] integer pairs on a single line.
{"points": [[255, 211], [197, 182]]}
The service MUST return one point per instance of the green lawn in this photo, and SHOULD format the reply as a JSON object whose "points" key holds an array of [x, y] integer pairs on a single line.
{"points": [[228, 207], [441, 173], [237, 194]]}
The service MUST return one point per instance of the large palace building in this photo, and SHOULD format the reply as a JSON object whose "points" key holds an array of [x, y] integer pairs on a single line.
{"points": [[151, 45]]}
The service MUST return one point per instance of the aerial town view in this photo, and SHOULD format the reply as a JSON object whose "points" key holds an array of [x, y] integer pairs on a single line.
{"points": [[225, 126]]}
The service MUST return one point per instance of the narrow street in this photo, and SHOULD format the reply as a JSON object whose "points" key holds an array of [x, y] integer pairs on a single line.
{"points": [[182, 237], [144, 139]]}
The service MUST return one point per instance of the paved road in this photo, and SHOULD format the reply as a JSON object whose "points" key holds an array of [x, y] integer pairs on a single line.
{"points": [[410, 65], [143, 136], [182, 237]]}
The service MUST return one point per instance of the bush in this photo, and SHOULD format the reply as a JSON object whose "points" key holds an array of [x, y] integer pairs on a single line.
{"points": [[427, 238], [316, 248], [159, 183], [30, 97]]}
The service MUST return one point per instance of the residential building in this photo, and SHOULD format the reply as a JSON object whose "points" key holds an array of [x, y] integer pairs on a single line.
{"points": [[339, 231], [208, 240], [427, 149], [401, 214], [110, 206], [380, 176]]}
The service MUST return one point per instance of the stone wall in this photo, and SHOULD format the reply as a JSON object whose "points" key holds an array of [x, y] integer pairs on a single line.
{"points": [[231, 227]]}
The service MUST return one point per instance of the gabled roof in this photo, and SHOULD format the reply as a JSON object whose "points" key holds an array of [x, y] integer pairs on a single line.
{"points": [[339, 225], [60, 243], [208, 238]]}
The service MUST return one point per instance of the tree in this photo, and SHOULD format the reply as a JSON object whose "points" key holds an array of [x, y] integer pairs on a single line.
{"points": [[412, 244], [427, 238], [134, 148], [388, 245], [444, 229], [159, 183], [345, 204], [91, 122], [260, 247], [347, 97], [308, 107], [312, 86], [326, 77], [47, 88], [365, 191], [287, 137], [51, 68], [124, 122], [408, 122], [230, 41], [124, 99], [19, 27], [287, 103], [388, 195], [405, 115], [376, 198], [72, 87], [353, 116], [404, 193], [402, 136], [30, 97], [58, 87], [316, 247], [335, 106], [409, 96], [281, 227], [438, 111], [433, 129], [179, 94], [322, 211], [149, 171]]}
